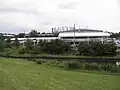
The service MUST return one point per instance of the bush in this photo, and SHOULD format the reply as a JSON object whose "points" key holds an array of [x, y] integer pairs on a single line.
{"points": [[54, 47], [21, 50], [90, 66], [97, 49], [72, 65], [52, 63], [110, 67], [38, 61]]}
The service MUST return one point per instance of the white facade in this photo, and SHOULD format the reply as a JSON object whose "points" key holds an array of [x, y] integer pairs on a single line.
{"points": [[84, 36], [71, 37], [22, 40]]}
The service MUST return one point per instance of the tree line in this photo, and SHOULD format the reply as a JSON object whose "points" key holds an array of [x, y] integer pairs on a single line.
{"points": [[58, 47]]}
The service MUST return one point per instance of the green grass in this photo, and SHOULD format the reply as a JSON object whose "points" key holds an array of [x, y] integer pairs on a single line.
{"points": [[18, 74]]}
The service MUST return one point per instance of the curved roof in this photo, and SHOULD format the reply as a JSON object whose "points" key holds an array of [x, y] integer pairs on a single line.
{"points": [[85, 34]]}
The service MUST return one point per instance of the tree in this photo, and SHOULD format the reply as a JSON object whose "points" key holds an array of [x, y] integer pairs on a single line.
{"points": [[84, 49], [97, 49], [29, 45], [33, 33], [16, 43], [1, 45], [109, 49], [115, 35], [1, 37], [54, 47], [8, 43], [21, 35], [21, 50], [8, 40]]}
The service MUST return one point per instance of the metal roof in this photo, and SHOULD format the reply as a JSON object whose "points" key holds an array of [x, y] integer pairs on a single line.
{"points": [[37, 38], [84, 34]]}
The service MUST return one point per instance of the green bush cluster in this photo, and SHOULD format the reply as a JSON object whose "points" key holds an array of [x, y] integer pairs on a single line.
{"points": [[72, 65], [54, 47], [109, 67], [92, 66], [56, 63], [21, 50], [97, 49]]}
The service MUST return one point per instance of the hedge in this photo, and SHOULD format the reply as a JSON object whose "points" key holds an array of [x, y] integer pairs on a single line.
{"points": [[63, 58]]}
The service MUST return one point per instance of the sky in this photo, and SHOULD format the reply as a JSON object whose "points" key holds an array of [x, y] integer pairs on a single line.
{"points": [[19, 15]]}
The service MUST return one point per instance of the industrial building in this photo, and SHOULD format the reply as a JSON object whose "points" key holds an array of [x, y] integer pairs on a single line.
{"points": [[74, 36]]}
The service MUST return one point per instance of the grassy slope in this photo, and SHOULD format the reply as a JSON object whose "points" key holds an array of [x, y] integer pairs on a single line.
{"points": [[24, 75]]}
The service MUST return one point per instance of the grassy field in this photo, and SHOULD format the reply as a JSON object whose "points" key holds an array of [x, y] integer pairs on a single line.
{"points": [[26, 75]]}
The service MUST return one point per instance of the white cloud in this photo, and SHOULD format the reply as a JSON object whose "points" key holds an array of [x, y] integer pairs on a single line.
{"points": [[43, 14]]}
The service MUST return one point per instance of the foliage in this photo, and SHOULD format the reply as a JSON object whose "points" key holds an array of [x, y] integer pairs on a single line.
{"points": [[8, 40], [38, 61], [29, 45], [72, 65], [115, 35], [21, 35], [97, 49], [108, 67], [33, 33], [36, 49], [1, 45], [54, 46], [21, 50], [2, 37], [16, 43]]}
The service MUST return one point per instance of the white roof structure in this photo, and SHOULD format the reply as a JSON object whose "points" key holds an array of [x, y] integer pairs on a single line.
{"points": [[83, 34], [36, 38]]}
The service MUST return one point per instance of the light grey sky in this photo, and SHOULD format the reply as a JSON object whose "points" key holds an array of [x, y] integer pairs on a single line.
{"points": [[42, 15]]}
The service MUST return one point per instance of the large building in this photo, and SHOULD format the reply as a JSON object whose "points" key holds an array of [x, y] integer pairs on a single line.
{"points": [[84, 35], [73, 36]]}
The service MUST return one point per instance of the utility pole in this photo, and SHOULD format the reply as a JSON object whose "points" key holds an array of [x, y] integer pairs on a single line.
{"points": [[74, 35], [24, 39]]}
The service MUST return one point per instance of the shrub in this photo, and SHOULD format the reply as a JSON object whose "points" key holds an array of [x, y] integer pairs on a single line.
{"points": [[52, 63], [21, 50], [85, 66], [38, 61], [97, 49], [110, 67], [54, 47], [90, 66], [72, 65], [93, 66]]}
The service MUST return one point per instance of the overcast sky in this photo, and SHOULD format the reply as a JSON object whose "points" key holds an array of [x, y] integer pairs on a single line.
{"points": [[42, 15]]}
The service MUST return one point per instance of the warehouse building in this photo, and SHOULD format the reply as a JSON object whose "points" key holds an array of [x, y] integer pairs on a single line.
{"points": [[74, 36]]}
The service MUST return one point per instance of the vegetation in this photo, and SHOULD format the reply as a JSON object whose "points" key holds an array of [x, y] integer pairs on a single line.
{"points": [[58, 47], [24, 75], [54, 47], [97, 49], [115, 35], [20, 35], [33, 33], [82, 65]]}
